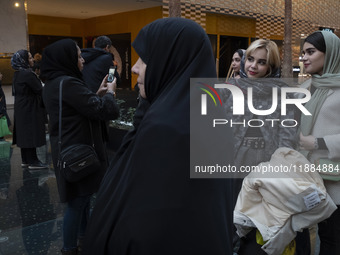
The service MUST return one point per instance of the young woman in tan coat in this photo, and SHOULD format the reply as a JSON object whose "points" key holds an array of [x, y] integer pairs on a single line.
{"points": [[320, 132]]}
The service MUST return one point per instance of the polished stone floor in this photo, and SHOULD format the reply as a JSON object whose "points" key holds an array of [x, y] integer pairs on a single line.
{"points": [[31, 215], [30, 211]]}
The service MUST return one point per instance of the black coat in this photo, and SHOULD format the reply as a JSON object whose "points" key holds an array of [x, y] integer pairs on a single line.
{"points": [[79, 106], [96, 66], [29, 112]]}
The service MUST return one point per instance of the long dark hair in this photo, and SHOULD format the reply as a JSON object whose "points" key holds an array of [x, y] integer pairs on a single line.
{"points": [[317, 40], [240, 52]]}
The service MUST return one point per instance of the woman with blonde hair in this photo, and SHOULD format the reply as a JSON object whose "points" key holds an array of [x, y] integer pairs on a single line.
{"points": [[255, 143], [255, 139], [271, 59]]}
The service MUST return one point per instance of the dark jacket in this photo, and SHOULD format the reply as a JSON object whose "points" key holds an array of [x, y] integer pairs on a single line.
{"points": [[96, 66], [274, 133], [29, 113], [80, 106]]}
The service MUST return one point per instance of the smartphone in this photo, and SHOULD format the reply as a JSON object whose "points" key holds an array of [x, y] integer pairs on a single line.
{"points": [[111, 76]]}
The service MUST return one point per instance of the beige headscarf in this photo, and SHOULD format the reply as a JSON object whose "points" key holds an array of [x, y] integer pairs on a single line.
{"points": [[329, 79]]}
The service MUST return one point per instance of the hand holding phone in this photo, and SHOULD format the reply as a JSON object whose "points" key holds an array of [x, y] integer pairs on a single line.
{"points": [[111, 76]]}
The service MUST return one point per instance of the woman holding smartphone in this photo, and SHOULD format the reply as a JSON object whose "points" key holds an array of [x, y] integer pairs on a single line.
{"points": [[82, 113]]}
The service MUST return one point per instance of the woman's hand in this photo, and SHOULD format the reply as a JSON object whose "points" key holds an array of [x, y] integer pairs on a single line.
{"points": [[106, 87], [307, 142]]}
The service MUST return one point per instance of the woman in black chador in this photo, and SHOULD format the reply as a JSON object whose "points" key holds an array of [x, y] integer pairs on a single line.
{"points": [[147, 203]]}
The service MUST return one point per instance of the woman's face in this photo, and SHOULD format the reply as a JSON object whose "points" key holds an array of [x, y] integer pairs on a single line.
{"points": [[30, 59], [256, 64], [236, 62], [139, 68], [313, 59], [81, 61]]}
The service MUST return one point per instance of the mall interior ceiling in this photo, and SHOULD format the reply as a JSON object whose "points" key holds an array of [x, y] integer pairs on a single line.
{"points": [[84, 9]]}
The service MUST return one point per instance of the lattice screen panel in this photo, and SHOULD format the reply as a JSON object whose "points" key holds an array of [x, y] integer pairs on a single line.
{"points": [[308, 15]]}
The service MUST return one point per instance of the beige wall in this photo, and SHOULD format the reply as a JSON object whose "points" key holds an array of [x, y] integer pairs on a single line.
{"points": [[13, 27], [128, 22], [45, 25], [13, 31]]}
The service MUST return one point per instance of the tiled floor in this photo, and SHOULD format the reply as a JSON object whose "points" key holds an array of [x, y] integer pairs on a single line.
{"points": [[31, 215], [30, 211]]}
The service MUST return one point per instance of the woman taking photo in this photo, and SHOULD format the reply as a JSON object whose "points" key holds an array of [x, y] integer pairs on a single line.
{"points": [[320, 132], [82, 113]]}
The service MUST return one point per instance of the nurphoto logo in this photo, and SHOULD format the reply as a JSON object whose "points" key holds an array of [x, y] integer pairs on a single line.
{"points": [[239, 104], [238, 99], [218, 108]]}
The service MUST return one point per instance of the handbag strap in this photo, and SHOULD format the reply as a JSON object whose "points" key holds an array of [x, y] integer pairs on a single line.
{"points": [[60, 118]]}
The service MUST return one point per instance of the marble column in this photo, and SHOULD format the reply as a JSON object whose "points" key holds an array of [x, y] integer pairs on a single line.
{"points": [[13, 26], [13, 34]]}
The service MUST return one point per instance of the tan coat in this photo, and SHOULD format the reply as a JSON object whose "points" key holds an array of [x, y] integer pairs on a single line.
{"points": [[327, 126]]}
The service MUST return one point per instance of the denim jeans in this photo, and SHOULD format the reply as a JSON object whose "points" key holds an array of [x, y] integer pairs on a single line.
{"points": [[75, 221]]}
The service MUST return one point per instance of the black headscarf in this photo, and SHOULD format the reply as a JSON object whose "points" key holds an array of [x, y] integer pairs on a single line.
{"points": [[177, 61], [147, 203], [19, 60], [60, 58]]}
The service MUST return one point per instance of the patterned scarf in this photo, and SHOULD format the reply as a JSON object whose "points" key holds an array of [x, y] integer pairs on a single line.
{"points": [[19, 60]]}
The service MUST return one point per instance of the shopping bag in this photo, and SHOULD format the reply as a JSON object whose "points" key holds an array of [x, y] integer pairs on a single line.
{"points": [[4, 130]]}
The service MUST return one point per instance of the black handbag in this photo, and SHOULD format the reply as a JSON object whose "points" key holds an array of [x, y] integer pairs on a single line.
{"points": [[76, 161]]}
